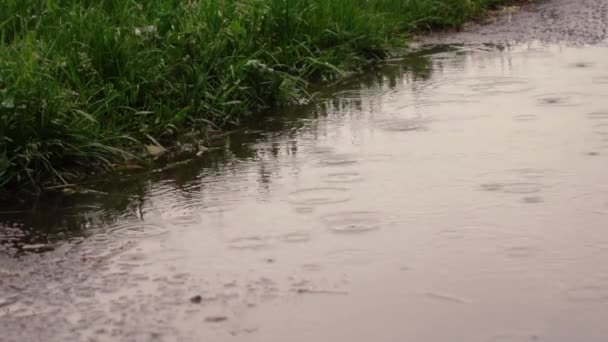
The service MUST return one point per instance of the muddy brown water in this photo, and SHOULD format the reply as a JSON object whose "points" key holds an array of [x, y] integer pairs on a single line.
{"points": [[458, 195]]}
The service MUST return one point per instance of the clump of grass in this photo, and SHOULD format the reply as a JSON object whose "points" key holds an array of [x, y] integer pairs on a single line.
{"points": [[81, 81]]}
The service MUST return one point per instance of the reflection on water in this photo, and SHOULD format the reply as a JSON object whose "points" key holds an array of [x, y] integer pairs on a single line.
{"points": [[460, 194]]}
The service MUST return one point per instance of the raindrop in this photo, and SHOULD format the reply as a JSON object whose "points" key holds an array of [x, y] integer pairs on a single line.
{"points": [[318, 196], [353, 222], [343, 177], [138, 230]]}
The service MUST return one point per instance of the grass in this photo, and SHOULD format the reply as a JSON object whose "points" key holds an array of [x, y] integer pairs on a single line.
{"points": [[84, 83]]}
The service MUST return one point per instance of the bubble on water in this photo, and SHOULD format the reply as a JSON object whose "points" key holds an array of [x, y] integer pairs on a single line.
{"points": [[354, 221], [319, 196]]}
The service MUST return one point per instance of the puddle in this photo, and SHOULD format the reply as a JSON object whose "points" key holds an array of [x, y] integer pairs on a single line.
{"points": [[455, 197]]}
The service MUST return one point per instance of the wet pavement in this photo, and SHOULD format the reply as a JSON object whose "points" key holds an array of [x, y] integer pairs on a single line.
{"points": [[458, 195], [580, 22]]}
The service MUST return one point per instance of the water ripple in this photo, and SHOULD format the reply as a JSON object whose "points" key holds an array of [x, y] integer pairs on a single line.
{"points": [[354, 221], [319, 195], [563, 99], [138, 230]]}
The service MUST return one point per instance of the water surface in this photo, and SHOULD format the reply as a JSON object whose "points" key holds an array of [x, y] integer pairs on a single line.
{"points": [[458, 195]]}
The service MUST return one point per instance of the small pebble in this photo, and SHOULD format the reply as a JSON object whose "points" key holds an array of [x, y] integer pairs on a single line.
{"points": [[196, 299]]}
